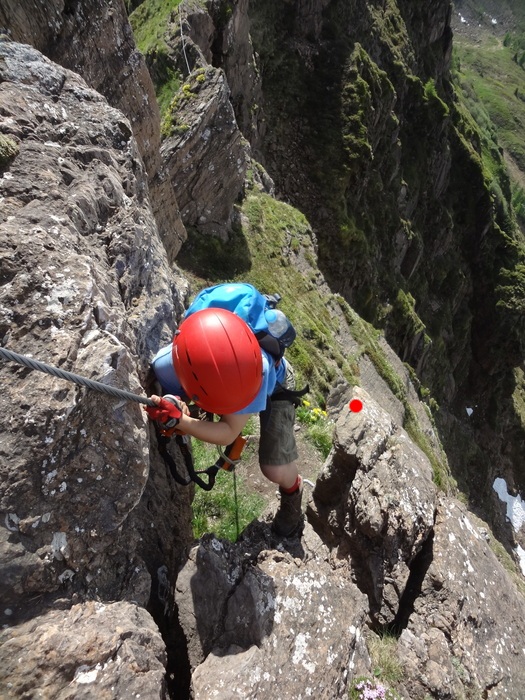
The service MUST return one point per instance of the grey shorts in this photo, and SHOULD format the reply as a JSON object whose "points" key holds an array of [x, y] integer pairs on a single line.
{"points": [[277, 442]]}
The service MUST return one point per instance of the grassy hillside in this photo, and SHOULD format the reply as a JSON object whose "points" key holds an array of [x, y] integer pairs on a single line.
{"points": [[149, 22], [490, 69]]}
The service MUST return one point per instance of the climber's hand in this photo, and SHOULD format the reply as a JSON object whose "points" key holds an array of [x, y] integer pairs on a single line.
{"points": [[168, 410]]}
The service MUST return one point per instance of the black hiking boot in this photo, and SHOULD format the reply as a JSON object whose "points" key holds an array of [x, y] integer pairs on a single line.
{"points": [[289, 517]]}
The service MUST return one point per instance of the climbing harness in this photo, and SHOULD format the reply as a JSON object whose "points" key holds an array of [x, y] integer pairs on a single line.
{"points": [[227, 460]]}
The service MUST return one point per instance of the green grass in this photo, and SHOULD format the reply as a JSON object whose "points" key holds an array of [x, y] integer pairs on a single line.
{"points": [[489, 75], [383, 654], [319, 427], [386, 670], [149, 23], [219, 510]]}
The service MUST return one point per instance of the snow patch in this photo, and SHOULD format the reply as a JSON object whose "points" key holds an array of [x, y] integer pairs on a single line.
{"points": [[521, 556], [515, 505], [515, 514]]}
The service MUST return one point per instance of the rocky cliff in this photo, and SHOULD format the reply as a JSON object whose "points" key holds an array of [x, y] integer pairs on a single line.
{"points": [[105, 593]]}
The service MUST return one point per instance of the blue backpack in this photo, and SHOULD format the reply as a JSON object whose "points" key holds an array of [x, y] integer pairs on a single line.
{"points": [[271, 327]]}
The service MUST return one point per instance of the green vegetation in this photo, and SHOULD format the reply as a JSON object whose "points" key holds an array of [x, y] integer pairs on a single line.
{"points": [[228, 508], [319, 427], [217, 510], [431, 97], [487, 76], [8, 150], [386, 669], [385, 662], [508, 563], [490, 78], [518, 203], [171, 122], [149, 23]]}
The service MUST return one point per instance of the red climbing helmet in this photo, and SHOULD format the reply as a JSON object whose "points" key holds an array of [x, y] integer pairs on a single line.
{"points": [[218, 360]]}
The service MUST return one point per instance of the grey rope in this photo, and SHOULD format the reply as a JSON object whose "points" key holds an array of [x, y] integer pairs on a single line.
{"points": [[182, 40], [69, 376]]}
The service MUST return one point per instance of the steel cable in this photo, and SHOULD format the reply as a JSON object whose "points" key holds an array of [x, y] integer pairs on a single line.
{"points": [[71, 377]]}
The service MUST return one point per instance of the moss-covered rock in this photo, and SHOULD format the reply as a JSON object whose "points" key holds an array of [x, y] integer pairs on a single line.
{"points": [[8, 150]]}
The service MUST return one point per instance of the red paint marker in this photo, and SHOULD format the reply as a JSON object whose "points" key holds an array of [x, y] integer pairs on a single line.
{"points": [[355, 405]]}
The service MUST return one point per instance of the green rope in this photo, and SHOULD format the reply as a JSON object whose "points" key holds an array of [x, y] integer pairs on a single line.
{"points": [[69, 376], [236, 505]]}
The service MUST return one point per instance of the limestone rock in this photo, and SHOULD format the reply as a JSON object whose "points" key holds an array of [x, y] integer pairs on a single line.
{"points": [[94, 39], [467, 626], [260, 615], [375, 500], [109, 652], [233, 52], [88, 509], [85, 285], [423, 560], [205, 156]]}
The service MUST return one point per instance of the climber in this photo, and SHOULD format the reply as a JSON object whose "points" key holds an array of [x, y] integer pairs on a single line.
{"points": [[217, 362]]}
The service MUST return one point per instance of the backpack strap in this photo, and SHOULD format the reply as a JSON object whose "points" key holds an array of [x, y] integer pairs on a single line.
{"points": [[293, 396]]}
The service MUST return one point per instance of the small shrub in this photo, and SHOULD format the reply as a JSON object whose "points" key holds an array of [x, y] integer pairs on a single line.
{"points": [[319, 426], [8, 150], [383, 652]]}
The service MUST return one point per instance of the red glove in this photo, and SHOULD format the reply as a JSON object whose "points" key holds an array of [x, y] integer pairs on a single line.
{"points": [[168, 412]]}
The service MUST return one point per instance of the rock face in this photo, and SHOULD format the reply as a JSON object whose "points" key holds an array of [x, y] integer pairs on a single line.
{"points": [[85, 286], [232, 50], [94, 39], [378, 501], [107, 651], [380, 549], [466, 627], [104, 593], [258, 617], [421, 559], [205, 156]]}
